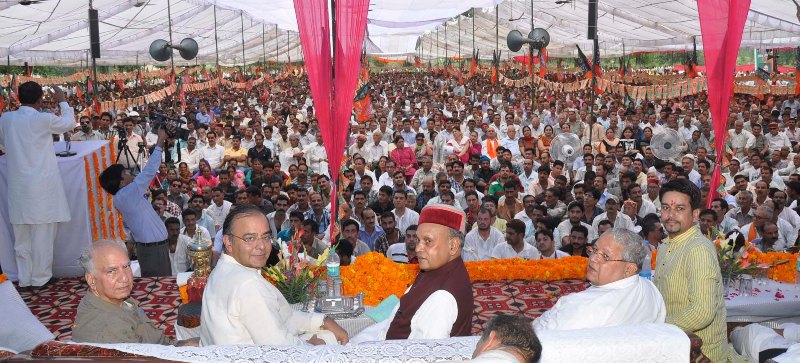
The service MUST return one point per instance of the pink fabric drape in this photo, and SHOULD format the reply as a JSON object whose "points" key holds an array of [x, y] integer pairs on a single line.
{"points": [[333, 98], [721, 25]]}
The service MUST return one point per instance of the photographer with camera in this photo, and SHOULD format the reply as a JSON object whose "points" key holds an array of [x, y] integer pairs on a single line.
{"points": [[147, 231]]}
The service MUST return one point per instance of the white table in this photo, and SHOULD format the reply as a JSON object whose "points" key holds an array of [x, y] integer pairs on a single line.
{"points": [[764, 307], [72, 236], [352, 326]]}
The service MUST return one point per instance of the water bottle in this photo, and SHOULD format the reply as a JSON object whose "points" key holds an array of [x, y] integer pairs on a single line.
{"points": [[333, 283], [647, 271]]}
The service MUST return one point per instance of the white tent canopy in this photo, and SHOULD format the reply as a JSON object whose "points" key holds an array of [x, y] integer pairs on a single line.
{"points": [[56, 31]]}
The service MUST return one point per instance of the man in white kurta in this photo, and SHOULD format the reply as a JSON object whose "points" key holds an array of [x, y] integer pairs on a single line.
{"points": [[618, 296], [241, 307], [36, 198]]}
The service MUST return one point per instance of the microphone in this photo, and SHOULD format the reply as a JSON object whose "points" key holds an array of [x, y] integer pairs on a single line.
{"points": [[68, 142]]}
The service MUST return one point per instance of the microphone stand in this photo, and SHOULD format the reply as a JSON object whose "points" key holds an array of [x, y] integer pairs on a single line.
{"points": [[67, 152]]}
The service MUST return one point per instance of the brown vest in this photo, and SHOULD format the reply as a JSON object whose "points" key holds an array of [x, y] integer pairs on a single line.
{"points": [[453, 278]]}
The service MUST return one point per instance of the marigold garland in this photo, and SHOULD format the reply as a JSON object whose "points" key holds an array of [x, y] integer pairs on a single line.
{"points": [[184, 290], [90, 198], [3, 278], [102, 206], [785, 272], [378, 277]]}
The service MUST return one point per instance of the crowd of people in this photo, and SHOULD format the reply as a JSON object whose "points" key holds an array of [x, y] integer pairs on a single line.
{"points": [[478, 147]]}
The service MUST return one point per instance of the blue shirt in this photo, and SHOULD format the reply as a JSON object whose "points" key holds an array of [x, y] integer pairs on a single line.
{"points": [[141, 219], [370, 239]]}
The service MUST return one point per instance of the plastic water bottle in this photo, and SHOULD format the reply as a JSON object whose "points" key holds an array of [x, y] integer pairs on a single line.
{"points": [[333, 283], [647, 271]]}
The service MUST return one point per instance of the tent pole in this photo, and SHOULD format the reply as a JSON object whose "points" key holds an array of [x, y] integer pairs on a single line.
{"points": [[169, 24], [459, 36], [264, 42], [216, 45], [541, 64], [277, 37], [497, 27], [594, 83], [288, 39], [446, 56], [438, 48], [244, 63], [94, 66], [473, 32]]}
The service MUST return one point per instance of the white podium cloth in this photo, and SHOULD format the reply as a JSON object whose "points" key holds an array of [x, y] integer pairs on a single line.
{"points": [[638, 343], [72, 236], [765, 306]]}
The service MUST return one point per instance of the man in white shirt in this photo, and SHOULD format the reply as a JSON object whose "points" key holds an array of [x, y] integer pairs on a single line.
{"points": [[213, 153], [191, 154], [545, 244], [777, 139], [36, 198], [480, 242], [241, 307], [618, 295], [219, 209], [612, 214], [376, 148], [515, 246], [404, 216]]}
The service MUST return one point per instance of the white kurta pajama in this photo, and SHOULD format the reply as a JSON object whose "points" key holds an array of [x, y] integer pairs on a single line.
{"points": [[632, 300], [36, 198], [241, 307]]}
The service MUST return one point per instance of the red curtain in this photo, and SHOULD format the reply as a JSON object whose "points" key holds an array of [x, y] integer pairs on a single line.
{"points": [[351, 25], [313, 25], [333, 98], [721, 25]]}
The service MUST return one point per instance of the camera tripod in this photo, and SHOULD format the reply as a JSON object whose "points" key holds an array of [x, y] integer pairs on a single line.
{"points": [[124, 149]]}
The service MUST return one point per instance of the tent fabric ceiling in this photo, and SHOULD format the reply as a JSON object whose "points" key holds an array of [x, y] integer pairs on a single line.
{"points": [[56, 31]]}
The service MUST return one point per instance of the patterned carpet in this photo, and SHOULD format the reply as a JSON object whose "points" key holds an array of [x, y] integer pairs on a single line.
{"points": [[159, 297], [57, 305]]}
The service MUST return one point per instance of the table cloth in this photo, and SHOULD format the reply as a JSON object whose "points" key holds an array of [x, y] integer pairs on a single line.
{"points": [[92, 214]]}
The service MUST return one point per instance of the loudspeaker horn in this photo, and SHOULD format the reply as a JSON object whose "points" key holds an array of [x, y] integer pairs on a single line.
{"points": [[188, 48], [159, 49], [515, 40], [538, 38]]}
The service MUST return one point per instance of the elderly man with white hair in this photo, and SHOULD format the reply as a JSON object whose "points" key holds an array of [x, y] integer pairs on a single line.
{"points": [[107, 314], [618, 295]]}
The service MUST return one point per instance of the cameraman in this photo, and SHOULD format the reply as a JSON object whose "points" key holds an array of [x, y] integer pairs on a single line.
{"points": [[147, 231]]}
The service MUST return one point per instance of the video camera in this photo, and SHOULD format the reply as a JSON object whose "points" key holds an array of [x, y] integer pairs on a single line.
{"points": [[171, 125]]}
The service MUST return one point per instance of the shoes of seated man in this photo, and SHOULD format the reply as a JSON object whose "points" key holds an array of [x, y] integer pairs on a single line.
{"points": [[47, 284]]}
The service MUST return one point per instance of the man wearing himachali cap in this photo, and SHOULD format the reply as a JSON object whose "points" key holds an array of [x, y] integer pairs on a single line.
{"points": [[439, 303]]}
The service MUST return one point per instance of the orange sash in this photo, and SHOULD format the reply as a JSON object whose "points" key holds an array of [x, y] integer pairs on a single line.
{"points": [[491, 148], [751, 235]]}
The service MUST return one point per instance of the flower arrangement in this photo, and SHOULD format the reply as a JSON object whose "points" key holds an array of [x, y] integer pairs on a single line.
{"points": [[734, 262], [378, 277], [295, 276]]}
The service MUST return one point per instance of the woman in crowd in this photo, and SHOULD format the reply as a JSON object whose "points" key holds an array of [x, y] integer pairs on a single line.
{"points": [[404, 158], [543, 145], [609, 142]]}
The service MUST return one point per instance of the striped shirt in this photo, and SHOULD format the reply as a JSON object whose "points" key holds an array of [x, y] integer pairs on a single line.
{"points": [[688, 277]]}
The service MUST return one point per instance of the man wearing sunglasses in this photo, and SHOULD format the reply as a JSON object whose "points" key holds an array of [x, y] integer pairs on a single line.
{"points": [[618, 295]]}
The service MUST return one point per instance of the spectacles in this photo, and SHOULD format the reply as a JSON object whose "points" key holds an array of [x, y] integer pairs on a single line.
{"points": [[267, 239], [593, 251]]}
